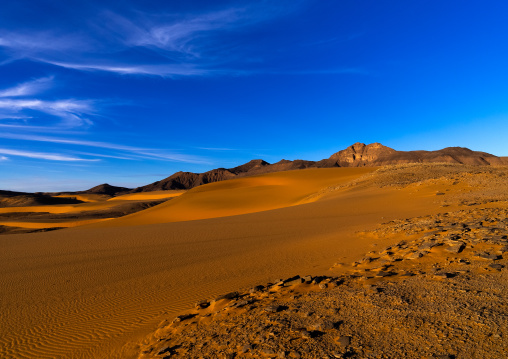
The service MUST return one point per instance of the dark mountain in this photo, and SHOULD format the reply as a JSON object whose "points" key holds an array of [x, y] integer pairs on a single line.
{"points": [[105, 188], [357, 155], [22, 199]]}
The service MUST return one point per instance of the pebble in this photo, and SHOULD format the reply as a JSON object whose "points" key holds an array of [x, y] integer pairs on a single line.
{"points": [[305, 334], [344, 340], [456, 248], [267, 351], [245, 348], [272, 308], [231, 295]]}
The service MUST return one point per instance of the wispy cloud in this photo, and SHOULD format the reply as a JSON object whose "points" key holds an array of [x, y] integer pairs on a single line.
{"points": [[178, 36], [70, 142], [43, 156], [29, 43], [3, 158], [71, 112], [129, 152], [173, 44], [165, 70], [142, 43], [216, 149], [28, 88]]}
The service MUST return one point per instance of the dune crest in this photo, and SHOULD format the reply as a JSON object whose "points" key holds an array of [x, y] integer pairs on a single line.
{"points": [[241, 196]]}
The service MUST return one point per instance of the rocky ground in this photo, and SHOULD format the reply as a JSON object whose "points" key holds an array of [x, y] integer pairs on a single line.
{"points": [[441, 292]]}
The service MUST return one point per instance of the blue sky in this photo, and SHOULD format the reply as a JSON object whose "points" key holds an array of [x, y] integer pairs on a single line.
{"points": [[130, 92]]}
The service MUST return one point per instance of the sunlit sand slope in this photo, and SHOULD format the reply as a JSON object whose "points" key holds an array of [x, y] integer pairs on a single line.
{"points": [[244, 195], [91, 197], [85, 292], [40, 225], [144, 196]]}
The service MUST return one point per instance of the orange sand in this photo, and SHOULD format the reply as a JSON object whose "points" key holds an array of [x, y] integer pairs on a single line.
{"points": [[86, 292], [147, 196], [40, 225], [241, 196], [85, 197]]}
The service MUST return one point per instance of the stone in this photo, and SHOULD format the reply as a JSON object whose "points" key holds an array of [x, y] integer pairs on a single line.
{"points": [[415, 255], [305, 334], [322, 326], [385, 274], [231, 295], [496, 266], [294, 281], [241, 303], [456, 248], [164, 350], [344, 340], [256, 289], [245, 348], [267, 351], [182, 317], [202, 304], [445, 275], [487, 255], [427, 245], [272, 308]]}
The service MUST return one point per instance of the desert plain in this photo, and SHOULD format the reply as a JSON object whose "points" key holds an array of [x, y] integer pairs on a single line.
{"points": [[362, 262]]}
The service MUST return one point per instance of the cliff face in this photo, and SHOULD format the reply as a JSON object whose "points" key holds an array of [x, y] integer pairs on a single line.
{"points": [[376, 154], [360, 154]]}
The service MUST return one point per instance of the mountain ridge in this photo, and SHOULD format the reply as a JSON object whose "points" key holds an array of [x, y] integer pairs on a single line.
{"points": [[356, 155]]}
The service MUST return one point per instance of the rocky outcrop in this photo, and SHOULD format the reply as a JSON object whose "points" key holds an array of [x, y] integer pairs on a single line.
{"points": [[376, 154], [360, 154]]}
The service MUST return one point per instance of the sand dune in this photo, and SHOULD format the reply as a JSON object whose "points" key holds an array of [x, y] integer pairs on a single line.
{"points": [[92, 209], [40, 225], [144, 196], [243, 195], [85, 197], [85, 292]]}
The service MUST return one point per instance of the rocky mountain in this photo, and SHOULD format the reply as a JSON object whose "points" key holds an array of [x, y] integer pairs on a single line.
{"points": [[357, 155], [376, 154]]}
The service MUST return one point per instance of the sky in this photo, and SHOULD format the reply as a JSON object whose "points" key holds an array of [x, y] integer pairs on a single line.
{"points": [[129, 92]]}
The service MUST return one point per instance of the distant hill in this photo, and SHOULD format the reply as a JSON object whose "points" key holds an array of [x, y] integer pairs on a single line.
{"points": [[105, 188], [357, 155], [22, 199]]}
